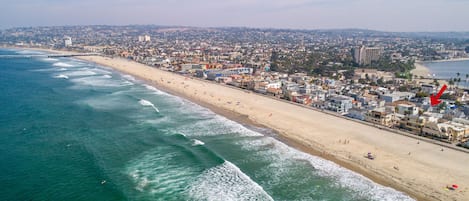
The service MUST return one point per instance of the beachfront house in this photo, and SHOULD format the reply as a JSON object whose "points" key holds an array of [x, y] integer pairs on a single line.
{"points": [[339, 104], [450, 131], [413, 123], [357, 113], [380, 116]]}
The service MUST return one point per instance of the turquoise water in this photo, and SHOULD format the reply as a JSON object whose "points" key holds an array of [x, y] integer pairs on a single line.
{"points": [[446, 70], [71, 130]]}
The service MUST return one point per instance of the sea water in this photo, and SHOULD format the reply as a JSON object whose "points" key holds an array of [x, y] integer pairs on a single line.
{"points": [[450, 69], [72, 130]]}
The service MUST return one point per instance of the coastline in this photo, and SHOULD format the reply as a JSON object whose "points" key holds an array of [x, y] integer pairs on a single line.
{"points": [[309, 132], [420, 70], [448, 60]]}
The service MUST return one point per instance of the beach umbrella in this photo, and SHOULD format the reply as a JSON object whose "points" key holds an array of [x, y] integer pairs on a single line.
{"points": [[455, 186]]}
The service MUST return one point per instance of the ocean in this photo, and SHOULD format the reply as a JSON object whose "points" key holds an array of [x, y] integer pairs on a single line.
{"points": [[449, 69], [73, 130]]}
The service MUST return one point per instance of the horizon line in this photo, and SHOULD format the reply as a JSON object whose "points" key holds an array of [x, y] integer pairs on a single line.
{"points": [[245, 27]]}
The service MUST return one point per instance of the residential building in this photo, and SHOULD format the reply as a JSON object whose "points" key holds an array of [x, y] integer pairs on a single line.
{"points": [[339, 104], [413, 124], [380, 116]]}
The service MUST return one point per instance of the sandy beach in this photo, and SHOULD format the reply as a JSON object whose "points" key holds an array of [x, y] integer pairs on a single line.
{"points": [[420, 169], [420, 70]]}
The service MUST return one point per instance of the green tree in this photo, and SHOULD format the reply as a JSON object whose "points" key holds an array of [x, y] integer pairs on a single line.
{"points": [[380, 81], [451, 82]]}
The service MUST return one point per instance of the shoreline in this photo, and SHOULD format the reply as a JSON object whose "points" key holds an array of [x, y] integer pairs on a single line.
{"points": [[446, 60], [420, 70], [168, 81], [312, 139], [279, 135]]}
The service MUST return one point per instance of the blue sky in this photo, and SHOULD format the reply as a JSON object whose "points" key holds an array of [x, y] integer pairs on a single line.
{"points": [[386, 15]]}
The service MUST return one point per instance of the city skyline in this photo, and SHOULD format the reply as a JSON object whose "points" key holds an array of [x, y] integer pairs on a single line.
{"points": [[400, 16]]}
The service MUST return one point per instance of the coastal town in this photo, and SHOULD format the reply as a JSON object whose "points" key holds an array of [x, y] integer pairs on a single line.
{"points": [[364, 76]]}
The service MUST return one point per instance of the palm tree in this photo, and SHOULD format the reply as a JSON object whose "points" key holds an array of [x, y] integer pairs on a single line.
{"points": [[451, 82], [467, 77]]}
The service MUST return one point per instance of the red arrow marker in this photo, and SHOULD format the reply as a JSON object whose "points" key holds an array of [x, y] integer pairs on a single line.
{"points": [[435, 99]]}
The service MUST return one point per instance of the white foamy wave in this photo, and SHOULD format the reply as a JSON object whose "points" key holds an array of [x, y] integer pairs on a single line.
{"points": [[29, 52], [129, 77], [152, 88], [62, 64], [61, 76], [49, 59], [148, 103], [101, 71], [100, 81], [116, 101], [157, 173], [283, 157], [164, 119], [79, 73], [215, 125], [226, 182], [196, 142]]}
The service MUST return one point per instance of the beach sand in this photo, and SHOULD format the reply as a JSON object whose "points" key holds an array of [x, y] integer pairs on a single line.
{"points": [[421, 70], [423, 170]]}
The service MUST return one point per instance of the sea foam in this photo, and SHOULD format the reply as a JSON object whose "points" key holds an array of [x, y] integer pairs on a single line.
{"points": [[49, 59], [156, 173], [61, 76], [196, 142], [283, 157], [62, 64], [155, 90], [226, 182], [100, 81], [148, 103]]}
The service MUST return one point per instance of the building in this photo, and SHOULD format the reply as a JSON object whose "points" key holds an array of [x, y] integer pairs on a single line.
{"points": [[359, 114], [449, 131], [365, 55], [407, 109], [217, 73], [144, 38], [413, 124], [397, 96], [339, 104], [379, 116], [67, 41]]}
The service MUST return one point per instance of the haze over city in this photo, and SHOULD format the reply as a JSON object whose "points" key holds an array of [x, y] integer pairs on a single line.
{"points": [[400, 15]]}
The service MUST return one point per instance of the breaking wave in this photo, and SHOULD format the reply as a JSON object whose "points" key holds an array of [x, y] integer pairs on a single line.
{"points": [[226, 182], [148, 103], [61, 76], [196, 142], [62, 64]]}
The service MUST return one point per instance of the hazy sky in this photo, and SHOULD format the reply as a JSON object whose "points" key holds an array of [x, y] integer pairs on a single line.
{"points": [[386, 15]]}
